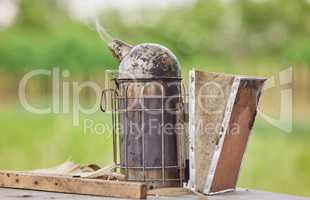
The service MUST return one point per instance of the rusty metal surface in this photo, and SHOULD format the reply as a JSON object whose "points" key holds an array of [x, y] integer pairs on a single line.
{"points": [[119, 49], [149, 90], [149, 150], [144, 60]]}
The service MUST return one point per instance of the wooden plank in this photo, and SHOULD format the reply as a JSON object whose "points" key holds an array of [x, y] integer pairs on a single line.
{"points": [[170, 192], [236, 138], [66, 184], [208, 98], [244, 194], [17, 194]]}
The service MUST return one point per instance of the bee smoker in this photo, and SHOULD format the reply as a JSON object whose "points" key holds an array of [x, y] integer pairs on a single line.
{"points": [[145, 105]]}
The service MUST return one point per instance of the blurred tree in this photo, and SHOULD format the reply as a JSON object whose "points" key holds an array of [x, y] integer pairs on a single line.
{"points": [[33, 14], [227, 32]]}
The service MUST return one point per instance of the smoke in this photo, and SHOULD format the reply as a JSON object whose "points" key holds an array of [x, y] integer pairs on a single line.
{"points": [[103, 33], [100, 29]]}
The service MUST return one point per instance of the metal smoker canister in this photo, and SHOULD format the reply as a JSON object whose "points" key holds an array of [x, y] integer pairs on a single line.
{"points": [[149, 91]]}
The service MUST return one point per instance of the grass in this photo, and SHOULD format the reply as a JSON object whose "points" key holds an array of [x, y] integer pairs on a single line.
{"points": [[277, 161], [274, 161], [34, 141]]}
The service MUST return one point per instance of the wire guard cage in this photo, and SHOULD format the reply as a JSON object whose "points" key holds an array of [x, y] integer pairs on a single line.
{"points": [[147, 145]]}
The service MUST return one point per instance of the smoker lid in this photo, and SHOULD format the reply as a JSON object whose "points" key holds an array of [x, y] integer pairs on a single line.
{"points": [[149, 61]]}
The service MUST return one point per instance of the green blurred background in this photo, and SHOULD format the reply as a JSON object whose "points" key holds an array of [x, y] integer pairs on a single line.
{"points": [[249, 37]]}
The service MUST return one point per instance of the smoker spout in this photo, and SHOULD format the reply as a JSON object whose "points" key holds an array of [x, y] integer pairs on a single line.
{"points": [[119, 49]]}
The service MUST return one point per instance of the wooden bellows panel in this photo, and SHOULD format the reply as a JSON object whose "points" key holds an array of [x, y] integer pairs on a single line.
{"points": [[222, 113]]}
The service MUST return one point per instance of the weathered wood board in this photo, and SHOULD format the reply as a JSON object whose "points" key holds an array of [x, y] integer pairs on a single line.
{"points": [[66, 184], [222, 111], [207, 102], [237, 134], [17, 194]]}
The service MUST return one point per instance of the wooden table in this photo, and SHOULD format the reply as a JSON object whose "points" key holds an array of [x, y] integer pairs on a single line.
{"points": [[241, 194]]}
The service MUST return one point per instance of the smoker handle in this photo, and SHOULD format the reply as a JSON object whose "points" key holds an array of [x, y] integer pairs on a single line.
{"points": [[103, 101]]}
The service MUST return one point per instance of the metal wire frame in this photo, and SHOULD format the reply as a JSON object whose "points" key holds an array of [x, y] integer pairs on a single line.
{"points": [[116, 97], [181, 141], [115, 118]]}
